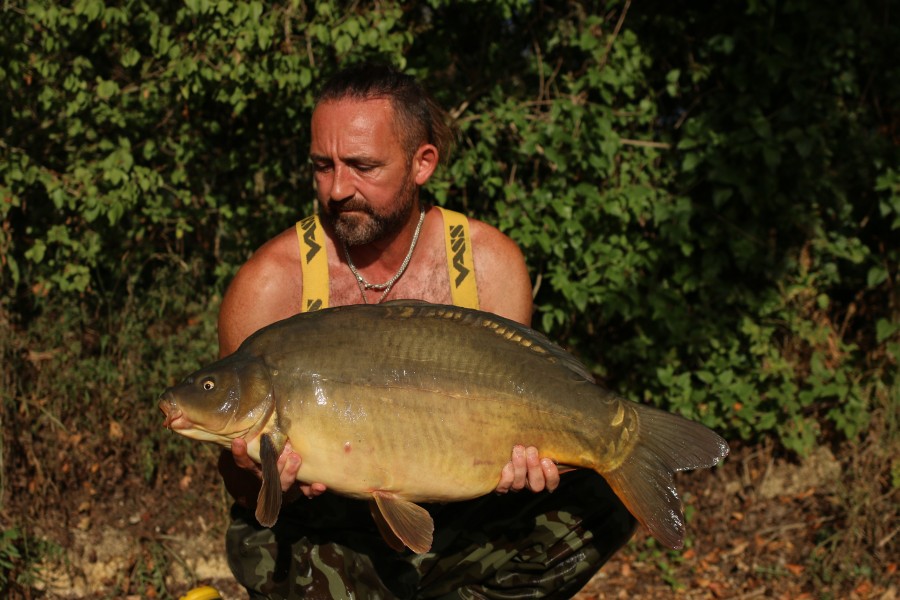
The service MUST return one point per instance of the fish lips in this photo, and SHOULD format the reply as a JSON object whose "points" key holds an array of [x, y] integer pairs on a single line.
{"points": [[175, 418]]}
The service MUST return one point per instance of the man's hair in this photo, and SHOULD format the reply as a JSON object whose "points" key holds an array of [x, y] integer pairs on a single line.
{"points": [[420, 119]]}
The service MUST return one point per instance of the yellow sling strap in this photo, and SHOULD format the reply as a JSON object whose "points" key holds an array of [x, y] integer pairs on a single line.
{"points": [[459, 259], [315, 263], [460, 263]]}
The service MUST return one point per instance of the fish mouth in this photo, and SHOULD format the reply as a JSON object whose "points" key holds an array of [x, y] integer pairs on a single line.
{"points": [[175, 418]]}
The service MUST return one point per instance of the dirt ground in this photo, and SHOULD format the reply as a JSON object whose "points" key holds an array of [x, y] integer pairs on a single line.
{"points": [[758, 527]]}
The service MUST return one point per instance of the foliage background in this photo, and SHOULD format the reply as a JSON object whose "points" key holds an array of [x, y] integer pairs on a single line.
{"points": [[708, 198]]}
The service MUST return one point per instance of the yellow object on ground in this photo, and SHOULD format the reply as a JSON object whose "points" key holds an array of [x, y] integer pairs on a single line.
{"points": [[202, 593]]}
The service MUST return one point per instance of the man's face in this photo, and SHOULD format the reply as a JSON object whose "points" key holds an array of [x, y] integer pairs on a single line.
{"points": [[364, 177]]}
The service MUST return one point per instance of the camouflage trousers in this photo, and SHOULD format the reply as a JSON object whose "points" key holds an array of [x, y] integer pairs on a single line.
{"points": [[522, 545]]}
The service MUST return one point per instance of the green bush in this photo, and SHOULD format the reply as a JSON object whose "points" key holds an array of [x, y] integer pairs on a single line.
{"points": [[708, 199]]}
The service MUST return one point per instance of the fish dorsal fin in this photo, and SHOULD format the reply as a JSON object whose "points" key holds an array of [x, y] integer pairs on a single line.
{"points": [[269, 502], [384, 529], [408, 521]]}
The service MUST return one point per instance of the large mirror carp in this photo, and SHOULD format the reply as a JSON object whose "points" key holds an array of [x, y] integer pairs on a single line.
{"points": [[409, 402]]}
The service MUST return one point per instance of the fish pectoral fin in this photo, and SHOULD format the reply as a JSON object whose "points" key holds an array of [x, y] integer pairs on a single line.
{"points": [[565, 468], [410, 523], [269, 501], [390, 538]]}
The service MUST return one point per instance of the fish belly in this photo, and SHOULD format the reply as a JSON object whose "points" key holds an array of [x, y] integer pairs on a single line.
{"points": [[423, 445]]}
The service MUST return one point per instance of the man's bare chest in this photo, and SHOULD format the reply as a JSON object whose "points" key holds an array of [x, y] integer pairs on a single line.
{"points": [[426, 278]]}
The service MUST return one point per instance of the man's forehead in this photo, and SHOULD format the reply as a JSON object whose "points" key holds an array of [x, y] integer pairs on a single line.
{"points": [[374, 108], [354, 125]]}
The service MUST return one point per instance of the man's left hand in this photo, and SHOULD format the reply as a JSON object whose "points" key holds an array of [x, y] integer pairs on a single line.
{"points": [[527, 470]]}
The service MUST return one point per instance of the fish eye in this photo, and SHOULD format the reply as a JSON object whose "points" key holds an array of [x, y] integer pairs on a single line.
{"points": [[208, 384]]}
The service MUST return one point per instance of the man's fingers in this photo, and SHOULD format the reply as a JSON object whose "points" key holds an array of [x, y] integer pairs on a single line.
{"points": [[241, 458], [506, 478], [288, 471], [551, 474], [520, 468], [535, 472], [312, 490], [288, 465]]}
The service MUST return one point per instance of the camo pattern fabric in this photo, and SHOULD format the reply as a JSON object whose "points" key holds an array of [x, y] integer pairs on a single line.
{"points": [[518, 545]]}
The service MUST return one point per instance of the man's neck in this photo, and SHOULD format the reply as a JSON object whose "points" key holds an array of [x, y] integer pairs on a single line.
{"points": [[378, 261]]}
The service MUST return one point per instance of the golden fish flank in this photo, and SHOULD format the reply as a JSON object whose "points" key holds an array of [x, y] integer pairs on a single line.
{"points": [[434, 389]]}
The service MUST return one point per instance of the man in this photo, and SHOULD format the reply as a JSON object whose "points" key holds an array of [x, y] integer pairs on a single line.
{"points": [[376, 138]]}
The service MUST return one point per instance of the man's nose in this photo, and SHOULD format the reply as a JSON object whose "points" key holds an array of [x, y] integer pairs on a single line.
{"points": [[342, 186]]}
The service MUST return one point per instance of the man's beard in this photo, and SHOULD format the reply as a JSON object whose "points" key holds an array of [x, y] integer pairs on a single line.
{"points": [[355, 229]]}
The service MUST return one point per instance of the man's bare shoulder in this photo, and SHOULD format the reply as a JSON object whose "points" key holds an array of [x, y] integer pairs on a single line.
{"points": [[504, 286], [487, 239], [267, 288]]}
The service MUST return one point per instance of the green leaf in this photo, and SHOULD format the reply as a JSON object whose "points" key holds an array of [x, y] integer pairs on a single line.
{"points": [[106, 89], [885, 329], [37, 251], [130, 57], [690, 161], [876, 276]]}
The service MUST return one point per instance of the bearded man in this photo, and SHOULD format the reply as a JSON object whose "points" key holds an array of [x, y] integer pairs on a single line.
{"points": [[376, 138]]}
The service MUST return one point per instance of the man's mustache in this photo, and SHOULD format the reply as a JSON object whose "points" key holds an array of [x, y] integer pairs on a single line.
{"points": [[351, 205]]}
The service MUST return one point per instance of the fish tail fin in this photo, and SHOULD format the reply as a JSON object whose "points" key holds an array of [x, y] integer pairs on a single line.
{"points": [[643, 480]]}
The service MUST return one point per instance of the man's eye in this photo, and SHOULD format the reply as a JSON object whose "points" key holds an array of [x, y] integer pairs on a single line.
{"points": [[321, 167]]}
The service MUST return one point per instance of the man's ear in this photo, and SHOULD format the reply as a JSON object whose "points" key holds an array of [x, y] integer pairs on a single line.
{"points": [[425, 161]]}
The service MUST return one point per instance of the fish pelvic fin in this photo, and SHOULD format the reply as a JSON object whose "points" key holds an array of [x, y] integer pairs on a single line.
{"points": [[410, 523], [643, 480], [269, 501], [390, 538]]}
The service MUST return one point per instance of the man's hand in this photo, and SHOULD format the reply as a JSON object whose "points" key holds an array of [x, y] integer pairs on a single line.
{"points": [[245, 489], [527, 470]]}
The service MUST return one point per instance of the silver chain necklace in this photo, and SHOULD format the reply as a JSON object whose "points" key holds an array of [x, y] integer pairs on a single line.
{"points": [[387, 285]]}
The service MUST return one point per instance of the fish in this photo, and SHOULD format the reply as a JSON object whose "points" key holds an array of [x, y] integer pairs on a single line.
{"points": [[409, 402]]}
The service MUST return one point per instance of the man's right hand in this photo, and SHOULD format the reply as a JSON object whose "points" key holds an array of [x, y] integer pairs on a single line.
{"points": [[243, 476]]}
